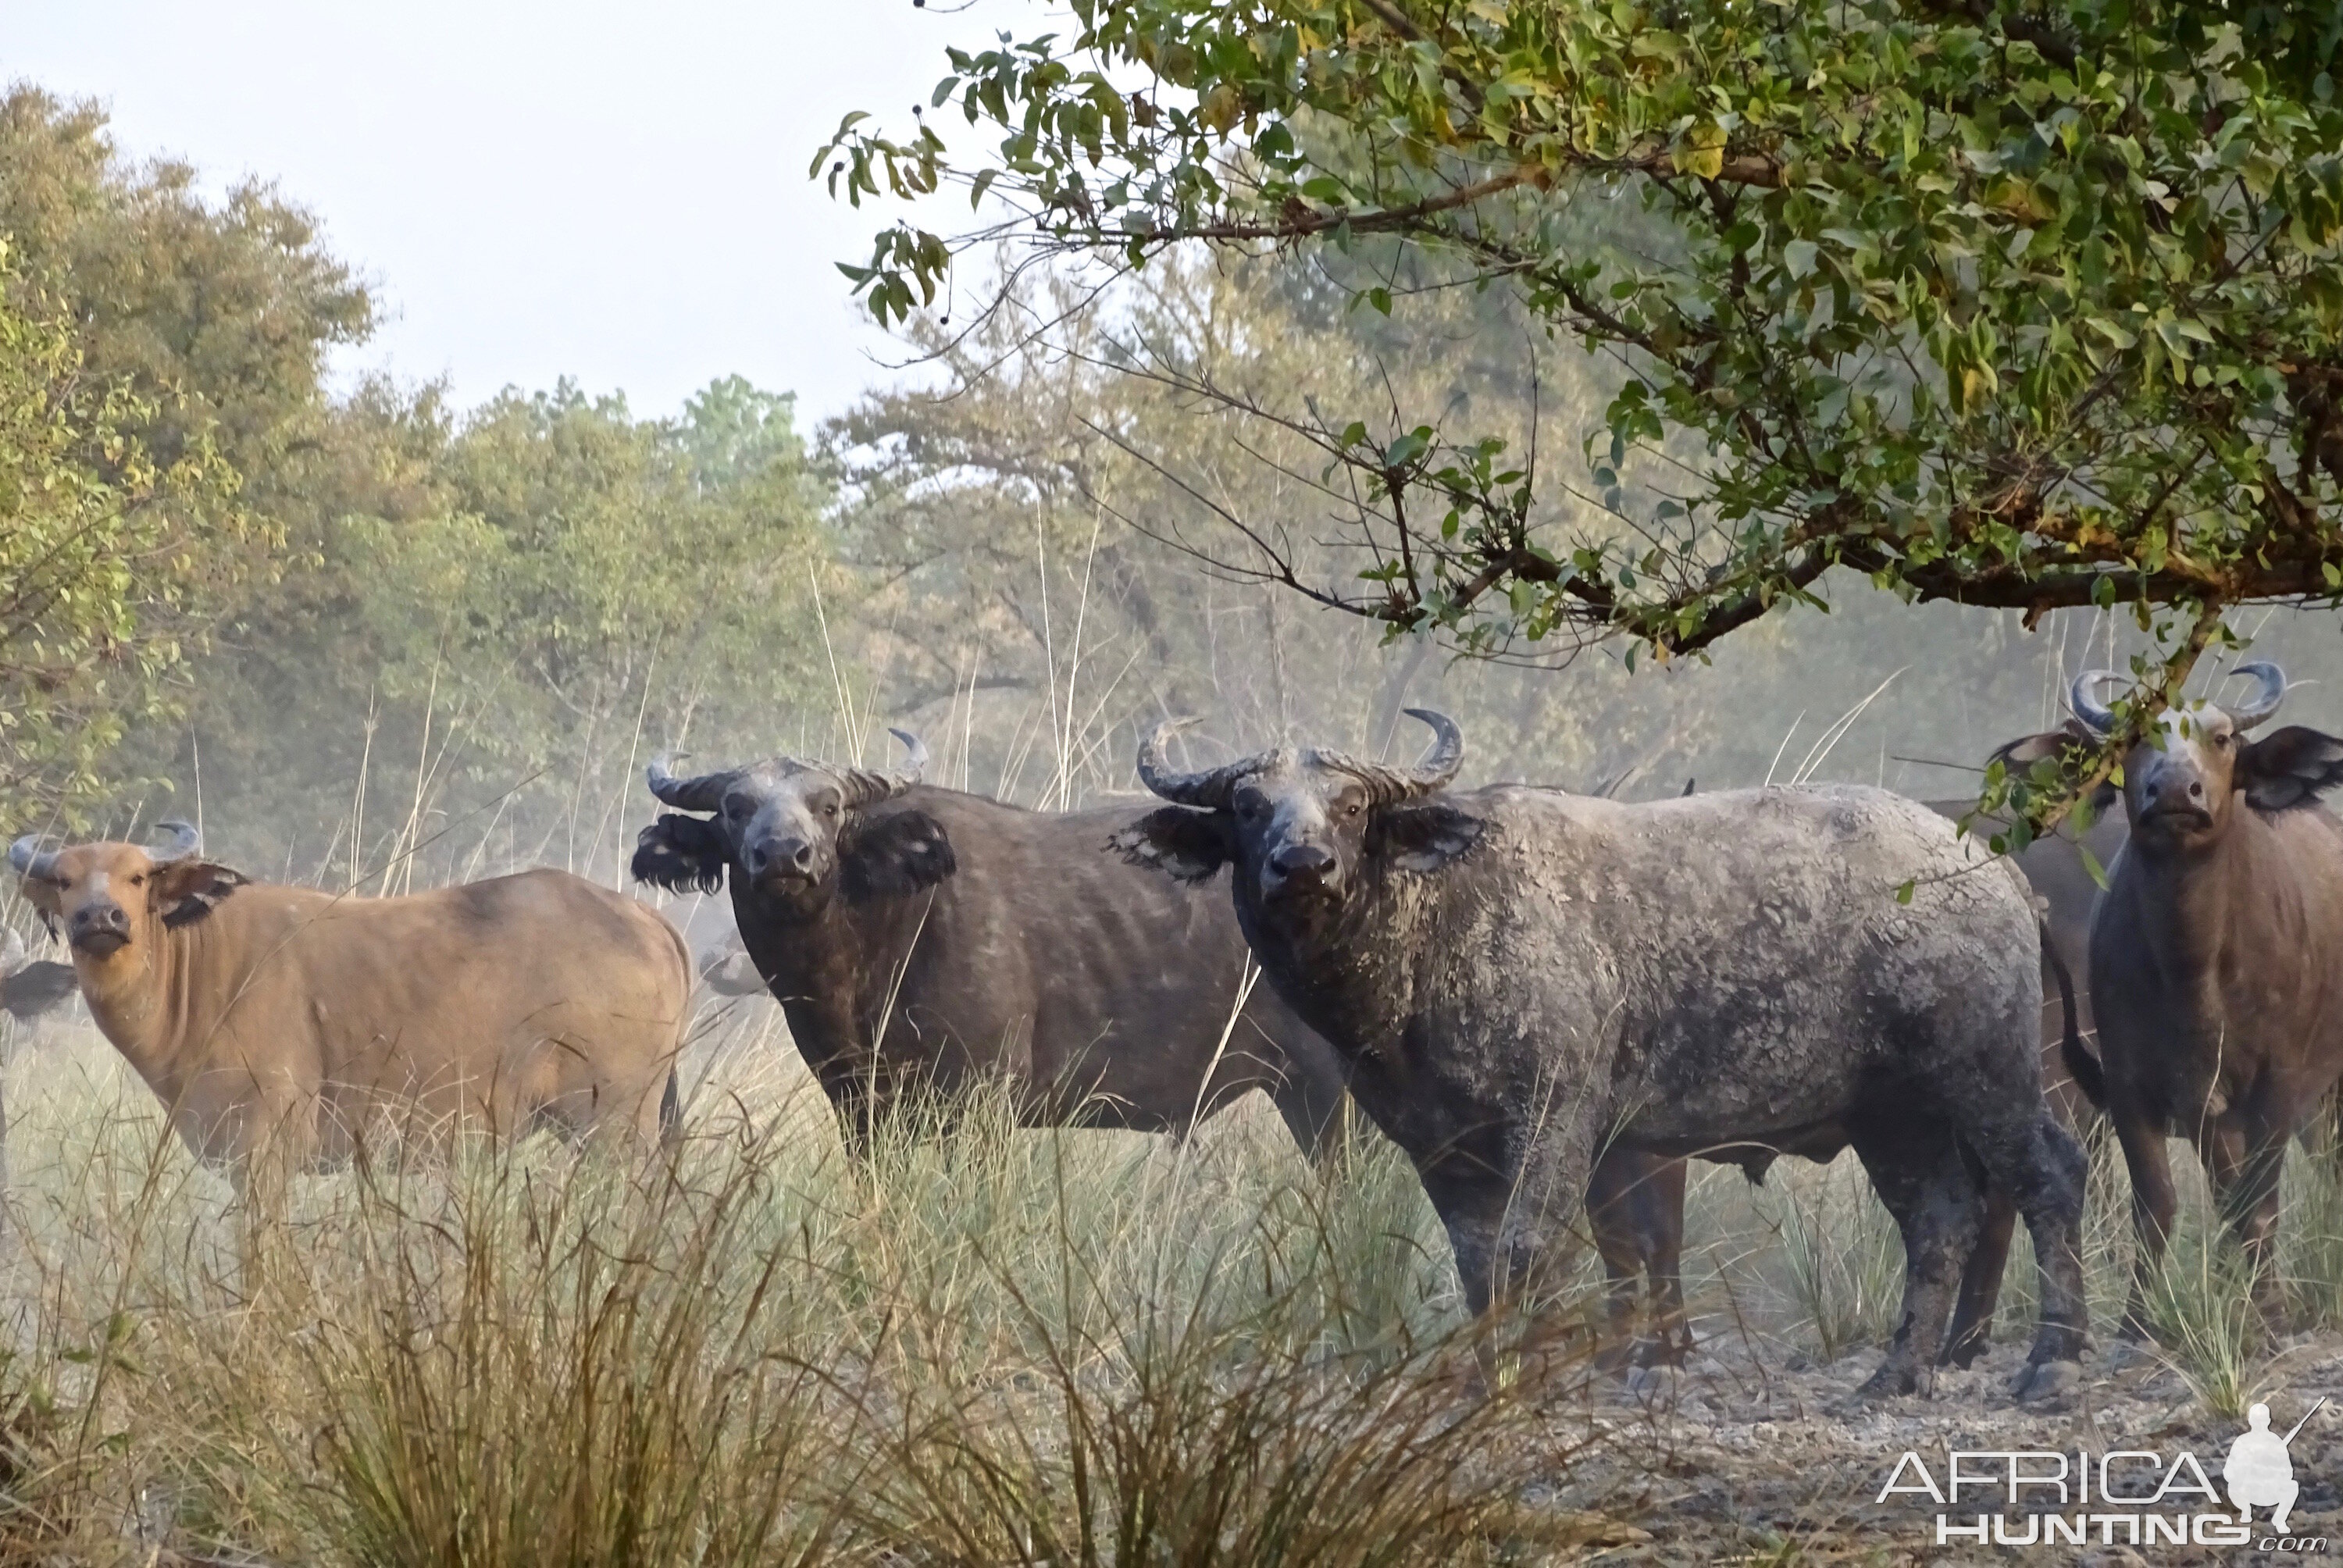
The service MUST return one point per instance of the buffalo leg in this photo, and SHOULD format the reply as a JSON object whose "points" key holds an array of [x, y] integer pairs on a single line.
{"points": [[1616, 1207], [2153, 1205], [2039, 1164], [1663, 1195], [1509, 1220], [1635, 1206], [1981, 1282], [2243, 1157], [1927, 1187]]}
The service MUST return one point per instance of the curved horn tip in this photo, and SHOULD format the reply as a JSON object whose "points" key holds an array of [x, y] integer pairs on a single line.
{"points": [[2085, 706], [1151, 744], [1447, 751], [1166, 729], [1208, 789], [26, 856], [683, 794], [2268, 693], [915, 759], [183, 842]]}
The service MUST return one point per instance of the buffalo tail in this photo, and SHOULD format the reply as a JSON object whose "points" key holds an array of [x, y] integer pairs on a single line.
{"points": [[2081, 1065]]}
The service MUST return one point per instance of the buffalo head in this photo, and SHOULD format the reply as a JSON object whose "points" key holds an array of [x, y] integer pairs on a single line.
{"points": [[114, 898], [793, 829], [1301, 826], [2183, 782]]}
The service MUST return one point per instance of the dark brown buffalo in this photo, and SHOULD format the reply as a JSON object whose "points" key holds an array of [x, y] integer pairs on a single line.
{"points": [[2215, 959], [920, 938]]}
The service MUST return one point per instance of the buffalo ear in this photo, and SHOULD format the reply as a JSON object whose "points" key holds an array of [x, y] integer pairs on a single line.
{"points": [[187, 891], [2021, 754], [2290, 767], [1424, 838], [681, 854], [1185, 844], [2024, 752], [896, 855]]}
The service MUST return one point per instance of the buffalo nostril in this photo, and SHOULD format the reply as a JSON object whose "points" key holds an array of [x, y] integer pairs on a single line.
{"points": [[1301, 863], [803, 859]]}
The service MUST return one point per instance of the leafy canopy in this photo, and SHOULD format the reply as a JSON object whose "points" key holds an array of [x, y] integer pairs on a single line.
{"points": [[96, 542], [2007, 305]]}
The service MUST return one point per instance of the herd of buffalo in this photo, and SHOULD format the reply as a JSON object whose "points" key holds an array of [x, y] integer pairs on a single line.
{"points": [[1548, 1001]]}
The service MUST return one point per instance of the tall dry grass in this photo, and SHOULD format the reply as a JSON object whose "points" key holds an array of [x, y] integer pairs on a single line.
{"points": [[1810, 1265], [1002, 1346]]}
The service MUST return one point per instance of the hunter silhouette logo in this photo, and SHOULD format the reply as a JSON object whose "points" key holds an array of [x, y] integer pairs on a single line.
{"points": [[2115, 1497], [2259, 1470]]}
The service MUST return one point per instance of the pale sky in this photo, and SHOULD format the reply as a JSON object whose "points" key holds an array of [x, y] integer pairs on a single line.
{"points": [[541, 187]]}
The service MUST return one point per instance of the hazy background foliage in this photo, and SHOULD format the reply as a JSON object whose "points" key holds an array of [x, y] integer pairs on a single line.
{"points": [[353, 626]]}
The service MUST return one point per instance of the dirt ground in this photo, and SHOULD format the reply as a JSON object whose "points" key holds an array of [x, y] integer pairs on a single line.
{"points": [[1747, 1454]]}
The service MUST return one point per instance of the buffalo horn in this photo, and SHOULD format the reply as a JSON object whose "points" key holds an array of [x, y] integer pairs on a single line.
{"points": [[183, 842], [864, 786], [704, 793], [2095, 714], [915, 758], [1209, 789], [2268, 692], [1391, 785], [30, 859]]}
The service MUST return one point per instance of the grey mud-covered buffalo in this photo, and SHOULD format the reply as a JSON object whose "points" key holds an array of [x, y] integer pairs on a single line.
{"points": [[2067, 894], [286, 1020], [33, 988], [920, 938], [2216, 957], [1516, 975], [1636, 1201]]}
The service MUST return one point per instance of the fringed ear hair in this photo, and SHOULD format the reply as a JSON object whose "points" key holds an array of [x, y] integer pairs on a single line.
{"points": [[1184, 843], [899, 854], [682, 855], [187, 891]]}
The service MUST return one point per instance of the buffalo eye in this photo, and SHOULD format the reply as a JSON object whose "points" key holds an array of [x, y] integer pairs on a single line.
{"points": [[829, 809], [137, 878]]}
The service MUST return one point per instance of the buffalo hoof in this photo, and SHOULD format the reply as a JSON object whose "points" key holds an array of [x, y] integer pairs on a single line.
{"points": [[1963, 1355], [1892, 1381], [1652, 1386], [2042, 1382]]}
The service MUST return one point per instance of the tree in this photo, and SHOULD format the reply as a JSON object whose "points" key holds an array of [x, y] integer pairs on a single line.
{"points": [[495, 603], [1993, 304], [97, 543]]}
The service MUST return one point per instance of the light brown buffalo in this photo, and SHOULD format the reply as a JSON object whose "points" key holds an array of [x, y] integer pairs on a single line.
{"points": [[289, 1019]]}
